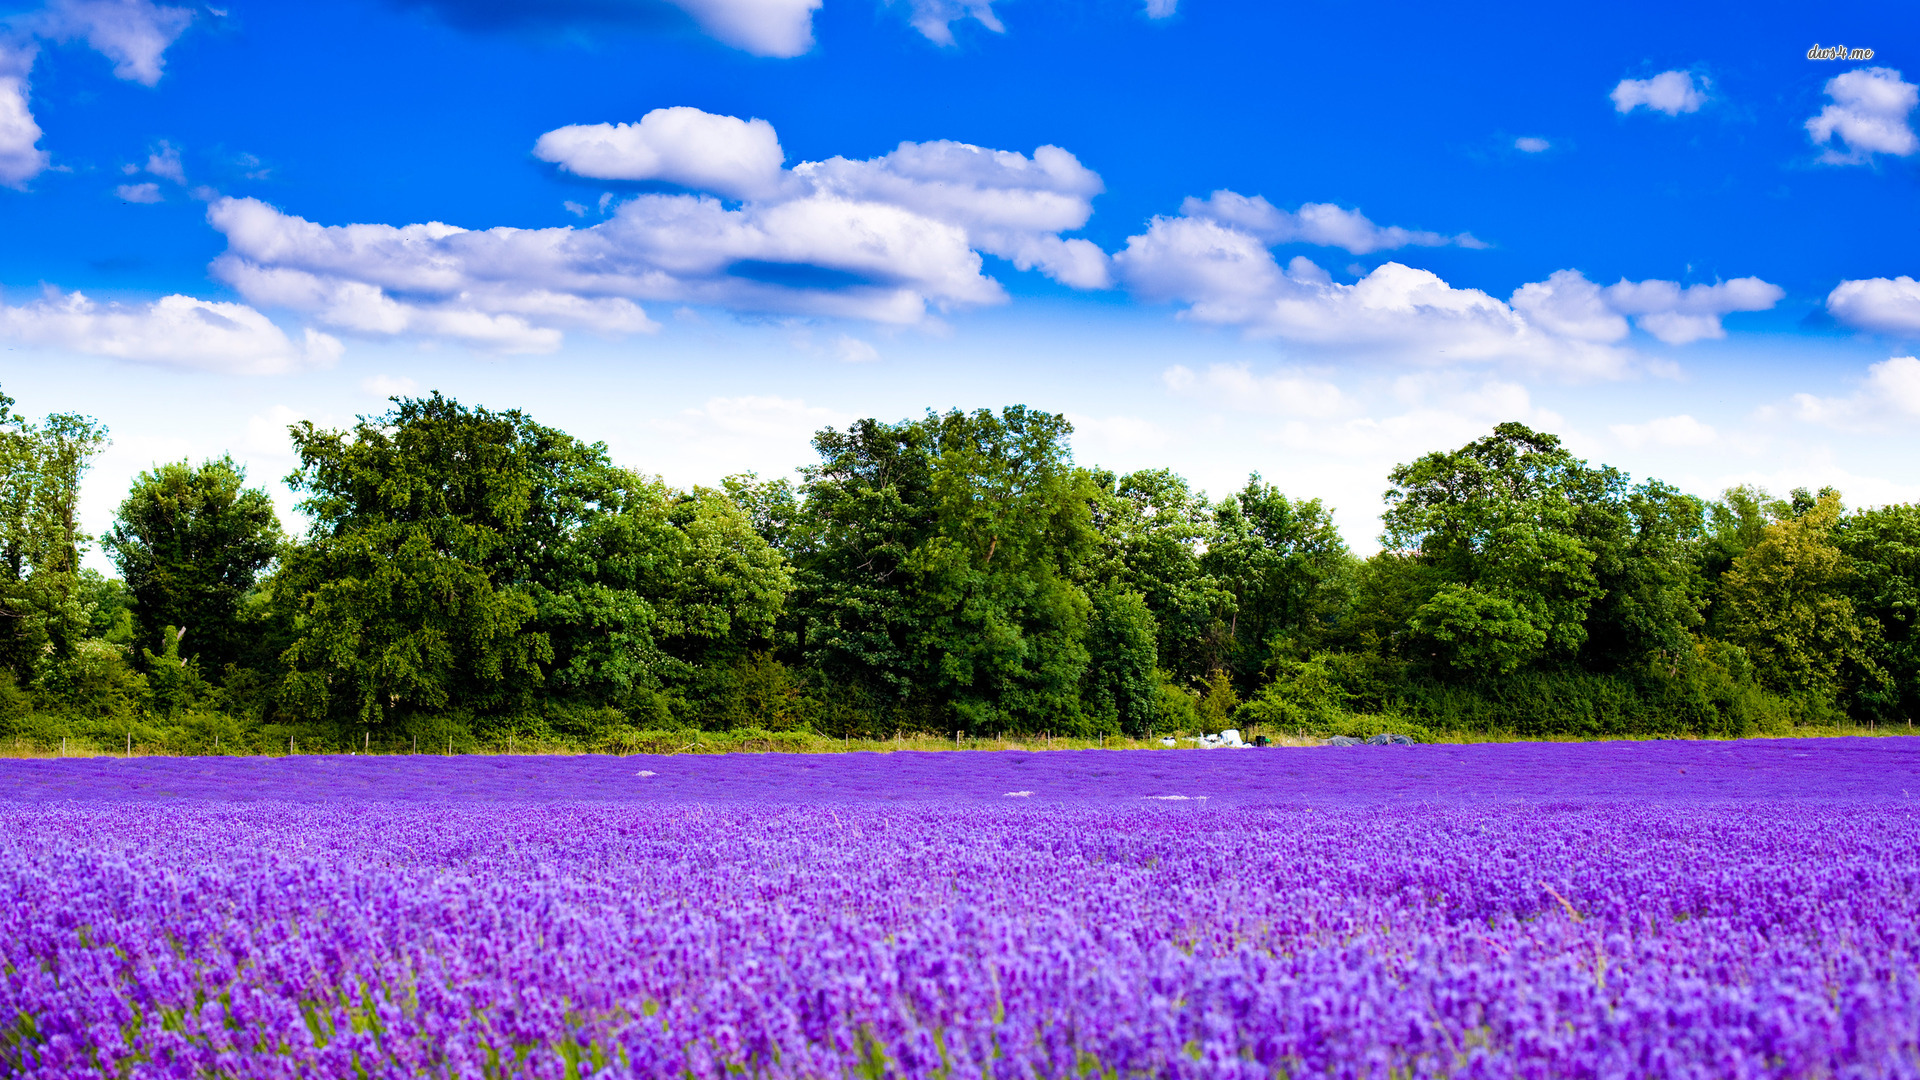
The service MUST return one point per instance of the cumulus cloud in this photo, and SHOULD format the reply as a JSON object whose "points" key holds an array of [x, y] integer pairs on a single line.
{"points": [[1678, 315], [1099, 437], [762, 27], [1008, 204], [1162, 9], [1529, 144], [1314, 223], [21, 158], [134, 34], [1888, 306], [1668, 431], [164, 163], [1238, 387], [139, 193], [886, 239], [740, 159], [1221, 268], [173, 331], [1891, 392], [935, 18], [1567, 305], [1869, 115], [728, 435], [852, 350], [1670, 92], [386, 386], [266, 433]]}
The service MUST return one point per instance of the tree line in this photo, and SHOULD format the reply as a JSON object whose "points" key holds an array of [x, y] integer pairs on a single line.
{"points": [[469, 572]]}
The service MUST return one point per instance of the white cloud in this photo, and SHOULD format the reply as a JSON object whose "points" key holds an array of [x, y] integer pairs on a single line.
{"points": [[173, 331], [1879, 304], [762, 27], [1237, 387], [386, 386], [21, 158], [1673, 431], [1315, 223], [1670, 92], [1161, 9], [1010, 205], [574, 208], [1094, 436], [1568, 305], [1869, 114], [1218, 264], [725, 155], [935, 18], [139, 193], [134, 34], [727, 435], [851, 350], [1678, 315], [1229, 277], [165, 163], [1891, 392], [266, 433], [885, 240], [1529, 144]]}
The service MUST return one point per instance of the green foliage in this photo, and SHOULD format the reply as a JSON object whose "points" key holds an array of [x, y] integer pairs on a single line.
{"points": [[935, 564], [1122, 686], [1217, 703], [43, 614], [190, 544], [1177, 706], [467, 560], [174, 683], [1512, 526], [1883, 547], [1303, 695], [1288, 572], [1785, 602], [471, 579], [1152, 530], [1654, 596]]}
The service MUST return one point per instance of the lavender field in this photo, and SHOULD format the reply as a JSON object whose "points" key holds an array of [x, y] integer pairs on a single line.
{"points": [[1575, 910]]}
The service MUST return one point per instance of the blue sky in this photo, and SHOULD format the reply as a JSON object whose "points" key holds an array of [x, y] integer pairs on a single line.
{"points": [[1306, 239]]}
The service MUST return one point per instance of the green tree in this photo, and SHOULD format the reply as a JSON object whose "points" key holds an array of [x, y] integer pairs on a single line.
{"points": [[190, 544], [1511, 526], [1153, 529], [1121, 691], [1287, 569], [1785, 602], [938, 567], [1884, 548], [1653, 594], [468, 559], [43, 615]]}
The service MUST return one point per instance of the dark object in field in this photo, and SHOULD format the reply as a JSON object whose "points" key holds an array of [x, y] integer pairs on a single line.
{"points": [[1344, 740], [1261, 740], [1388, 739]]}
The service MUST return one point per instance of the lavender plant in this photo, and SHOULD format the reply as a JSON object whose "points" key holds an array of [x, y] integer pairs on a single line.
{"points": [[1669, 910]]}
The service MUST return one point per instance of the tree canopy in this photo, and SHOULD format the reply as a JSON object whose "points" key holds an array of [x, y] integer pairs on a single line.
{"points": [[466, 569]]}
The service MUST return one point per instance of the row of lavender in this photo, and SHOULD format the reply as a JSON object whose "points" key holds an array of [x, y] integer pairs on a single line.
{"points": [[1017, 939]]}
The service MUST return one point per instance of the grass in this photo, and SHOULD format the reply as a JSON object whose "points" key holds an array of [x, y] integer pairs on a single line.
{"points": [[723, 742]]}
